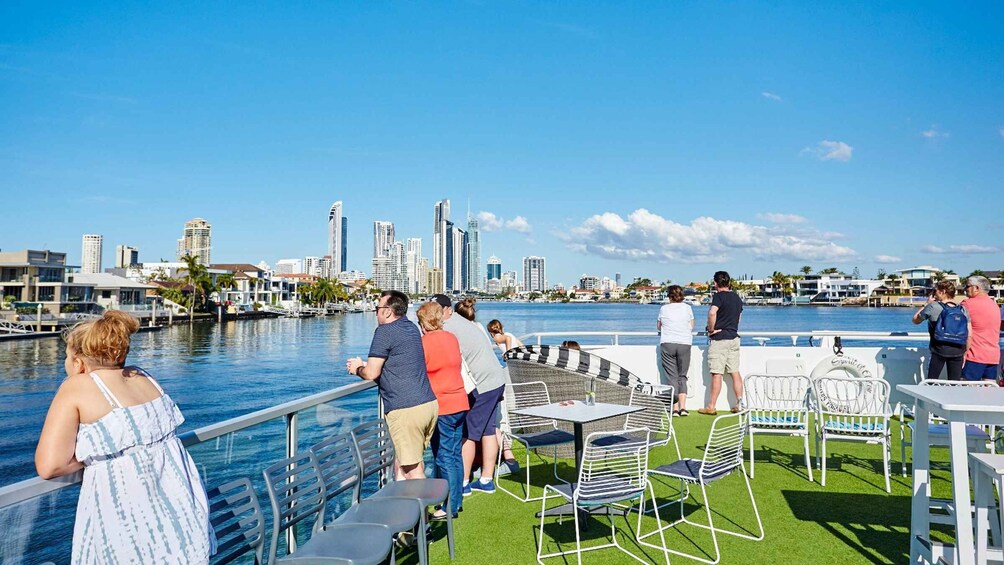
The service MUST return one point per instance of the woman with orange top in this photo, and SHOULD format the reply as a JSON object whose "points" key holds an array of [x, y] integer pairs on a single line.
{"points": [[443, 363]]}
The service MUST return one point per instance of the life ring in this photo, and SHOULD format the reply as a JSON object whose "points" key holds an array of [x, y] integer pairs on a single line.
{"points": [[848, 365]]}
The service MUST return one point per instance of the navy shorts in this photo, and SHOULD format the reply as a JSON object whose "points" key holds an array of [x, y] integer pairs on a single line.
{"points": [[972, 371], [483, 415]]}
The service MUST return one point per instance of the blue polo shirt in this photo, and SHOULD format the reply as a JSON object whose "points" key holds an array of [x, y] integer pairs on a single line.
{"points": [[403, 382]]}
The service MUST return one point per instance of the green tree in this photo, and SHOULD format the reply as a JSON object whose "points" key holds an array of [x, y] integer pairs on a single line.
{"points": [[806, 269], [829, 271], [977, 273], [197, 277], [781, 281], [880, 275]]}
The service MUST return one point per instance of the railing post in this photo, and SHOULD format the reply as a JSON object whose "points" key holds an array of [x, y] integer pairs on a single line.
{"points": [[617, 339], [291, 450]]}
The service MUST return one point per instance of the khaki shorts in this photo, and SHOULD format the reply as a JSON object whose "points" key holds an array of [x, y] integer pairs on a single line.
{"points": [[410, 431], [723, 356]]}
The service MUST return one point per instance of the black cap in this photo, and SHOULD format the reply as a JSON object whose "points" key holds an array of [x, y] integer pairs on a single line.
{"points": [[442, 299]]}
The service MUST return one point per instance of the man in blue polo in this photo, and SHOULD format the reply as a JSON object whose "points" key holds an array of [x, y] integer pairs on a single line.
{"points": [[397, 362], [478, 352]]}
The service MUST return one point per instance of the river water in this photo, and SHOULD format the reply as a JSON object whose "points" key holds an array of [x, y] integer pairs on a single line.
{"points": [[218, 371]]}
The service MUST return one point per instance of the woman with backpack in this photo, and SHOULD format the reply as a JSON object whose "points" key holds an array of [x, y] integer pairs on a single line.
{"points": [[949, 326]]}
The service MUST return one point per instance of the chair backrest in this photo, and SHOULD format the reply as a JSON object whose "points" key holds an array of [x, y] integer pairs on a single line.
{"points": [[938, 382], [724, 450], [779, 399], [528, 395], [374, 449], [657, 415], [614, 470], [852, 403], [296, 490], [236, 516], [338, 463]]}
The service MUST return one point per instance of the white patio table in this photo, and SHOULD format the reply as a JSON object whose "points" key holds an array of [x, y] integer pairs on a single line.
{"points": [[959, 406]]}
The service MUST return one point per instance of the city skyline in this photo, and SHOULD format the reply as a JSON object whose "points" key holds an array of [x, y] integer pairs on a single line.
{"points": [[647, 141]]}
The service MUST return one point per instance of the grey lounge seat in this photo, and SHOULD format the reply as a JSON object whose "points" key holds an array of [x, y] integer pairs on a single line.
{"points": [[376, 456], [297, 493], [338, 463], [236, 517]]}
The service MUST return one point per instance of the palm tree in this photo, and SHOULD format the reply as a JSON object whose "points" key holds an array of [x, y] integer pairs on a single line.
{"points": [[196, 276], [806, 269], [781, 281], [225, 282]]}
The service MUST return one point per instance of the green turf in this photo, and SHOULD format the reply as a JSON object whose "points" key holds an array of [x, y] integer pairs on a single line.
{"points": [[851, 520]]}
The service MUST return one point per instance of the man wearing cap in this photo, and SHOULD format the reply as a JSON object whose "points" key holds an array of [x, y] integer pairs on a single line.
{"points": [[489, 377]]}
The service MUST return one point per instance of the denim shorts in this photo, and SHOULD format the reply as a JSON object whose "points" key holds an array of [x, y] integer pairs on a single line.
{"points": [[483, 415]]}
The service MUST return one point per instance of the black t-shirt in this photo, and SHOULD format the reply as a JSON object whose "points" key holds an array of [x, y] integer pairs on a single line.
{"points": [[729, 307]]}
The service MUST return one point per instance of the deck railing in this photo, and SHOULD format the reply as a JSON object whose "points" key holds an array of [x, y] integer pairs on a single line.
{"points": [[18, 534], [818, 338]]}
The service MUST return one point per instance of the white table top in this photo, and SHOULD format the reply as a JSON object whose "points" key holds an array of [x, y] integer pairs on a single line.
{"points": [[958, 398], [578, 412]]}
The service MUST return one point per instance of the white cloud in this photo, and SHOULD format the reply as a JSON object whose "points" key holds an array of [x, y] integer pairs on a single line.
{"points": [[489, 221], [933, 133], [827, 150], [519, 224], [771, 96], [644, 236], [776, 218], [887, 259], [960, 249]]}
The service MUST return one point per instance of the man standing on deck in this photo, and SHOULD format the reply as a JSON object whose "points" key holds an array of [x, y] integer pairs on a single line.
{"points": [[397, 362], [478, 352], [983, 353], [723, 347]]}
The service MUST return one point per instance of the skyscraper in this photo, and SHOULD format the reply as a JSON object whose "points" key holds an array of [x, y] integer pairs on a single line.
{"points": [[125, 256], [345, 246], [455, 273], [399, 274], [473, 254], [196, 241], [383, 238], [336, 237], [494, 268], [440, 234], [413, 258], [534, 274], [90, 256]]}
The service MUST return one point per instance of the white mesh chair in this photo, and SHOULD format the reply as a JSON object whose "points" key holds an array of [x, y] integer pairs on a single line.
{"points": [[778, 405], [609, 475], [723, 456], [977, 437], [852, 409], [533, 432], [657, 416]]}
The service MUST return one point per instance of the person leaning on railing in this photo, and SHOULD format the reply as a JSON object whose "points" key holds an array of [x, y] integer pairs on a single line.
{"points": [[141, 500], [943, 353]]}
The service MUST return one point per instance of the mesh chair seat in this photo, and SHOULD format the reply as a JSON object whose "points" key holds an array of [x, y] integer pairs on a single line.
{"points": [[568, 491], [853, 427], [353, 544], [547, 438], [608, 441], [428, 491], [972, 432], [690, 470], [763, 420], [399, 514]]}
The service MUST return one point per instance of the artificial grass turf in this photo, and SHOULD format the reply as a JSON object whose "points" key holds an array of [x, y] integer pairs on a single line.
{"points": [[850, 520]]}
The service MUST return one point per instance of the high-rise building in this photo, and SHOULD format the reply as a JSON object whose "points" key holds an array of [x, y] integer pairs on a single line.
{"points": [[343, 266], [383, 238], [289, 266], [382, 273], [126, 256], [435, 283], [510, 282], [494, 268], [336, 236], [440, 234], [455, 265], [90, 256], [422, 275], [196, 241], [534, 274], [312, 266], [325, 269], [473, 254], [617, 279], [413, 258]]}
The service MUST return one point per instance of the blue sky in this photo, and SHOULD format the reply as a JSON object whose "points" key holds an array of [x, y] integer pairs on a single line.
{"points": [[664, 140]]}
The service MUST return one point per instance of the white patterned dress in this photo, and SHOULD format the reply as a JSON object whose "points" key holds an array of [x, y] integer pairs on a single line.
{"points": [[141, 500]]}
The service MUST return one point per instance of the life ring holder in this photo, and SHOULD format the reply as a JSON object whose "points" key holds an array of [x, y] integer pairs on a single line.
{"points": [[839, 362]]}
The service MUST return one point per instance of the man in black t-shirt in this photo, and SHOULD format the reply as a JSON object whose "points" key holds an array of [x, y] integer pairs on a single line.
{"points": [[723, 348]]}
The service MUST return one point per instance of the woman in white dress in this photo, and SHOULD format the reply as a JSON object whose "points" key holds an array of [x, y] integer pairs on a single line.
{"points": [[141, 500], [676, 336]]}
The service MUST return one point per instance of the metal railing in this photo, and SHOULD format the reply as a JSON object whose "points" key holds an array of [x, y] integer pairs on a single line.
{"points": [[28, 489], [821, 335]]}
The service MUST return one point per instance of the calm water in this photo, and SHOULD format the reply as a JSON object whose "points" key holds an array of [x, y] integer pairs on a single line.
{"points": [[215, 372]]}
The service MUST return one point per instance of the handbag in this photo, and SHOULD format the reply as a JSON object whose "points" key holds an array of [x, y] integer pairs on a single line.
{"points": [[465, 374]]}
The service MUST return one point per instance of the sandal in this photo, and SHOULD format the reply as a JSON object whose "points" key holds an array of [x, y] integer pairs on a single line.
{"points": [[707, 411]]}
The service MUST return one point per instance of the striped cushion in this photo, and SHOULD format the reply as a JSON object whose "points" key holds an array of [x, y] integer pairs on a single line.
{"points": [[860, 427], [775, 420], [575, 361]]}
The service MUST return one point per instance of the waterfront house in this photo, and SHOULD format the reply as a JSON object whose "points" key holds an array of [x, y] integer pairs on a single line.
{"points": [[833, 288], [920, 280], [116, 293], [36, 277]]}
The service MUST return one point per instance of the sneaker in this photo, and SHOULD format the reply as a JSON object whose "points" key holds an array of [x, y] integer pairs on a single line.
{"points": [[684, 412], [707, 411], [467, 489], [512, 464], [676, 412], [487, 488]]}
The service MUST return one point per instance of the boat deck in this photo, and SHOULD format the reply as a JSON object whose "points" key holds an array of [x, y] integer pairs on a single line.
{"points": [[850, 520]]}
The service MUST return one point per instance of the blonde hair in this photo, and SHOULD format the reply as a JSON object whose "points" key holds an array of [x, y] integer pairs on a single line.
{"points": [[465, 308], [104, 341], [430, 316]]}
